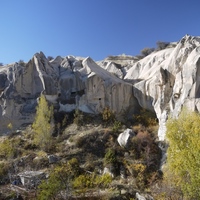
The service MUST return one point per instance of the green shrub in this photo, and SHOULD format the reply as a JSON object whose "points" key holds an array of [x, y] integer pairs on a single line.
{"points": [[117, 125], [138, 171], [84, 182], [103, 181], [50, 189], [7, 149], [110, 157], [59, 180]]}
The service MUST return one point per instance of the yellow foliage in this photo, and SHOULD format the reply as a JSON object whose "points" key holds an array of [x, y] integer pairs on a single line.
{"points": [[146, 117], [108, 114], [8, 148], [41, 154], [183, 160], [139, 168], [43, 124], [86, 181], [104, 180], [10, 126], [5, 148]]}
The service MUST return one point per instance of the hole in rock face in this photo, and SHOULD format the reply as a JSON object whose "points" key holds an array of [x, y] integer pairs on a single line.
{"points": [[99, 99]]}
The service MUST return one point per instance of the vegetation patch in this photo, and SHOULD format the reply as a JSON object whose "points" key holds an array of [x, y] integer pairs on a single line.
{"points": [[86, 146]]}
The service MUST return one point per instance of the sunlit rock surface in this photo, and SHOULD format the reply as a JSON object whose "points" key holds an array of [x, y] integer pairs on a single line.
{"points": [[163, 82], [69, 83], [169, 79]]}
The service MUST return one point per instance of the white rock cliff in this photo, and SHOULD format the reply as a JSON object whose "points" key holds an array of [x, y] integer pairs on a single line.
{"points": [[163, 82], [68, 83]]}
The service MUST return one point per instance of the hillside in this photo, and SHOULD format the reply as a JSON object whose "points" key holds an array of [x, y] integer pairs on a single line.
{"points": [[95, 157], [105, 118]]}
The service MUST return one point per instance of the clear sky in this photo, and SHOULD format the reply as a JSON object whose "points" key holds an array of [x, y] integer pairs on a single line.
{"points": [[95, 28]]}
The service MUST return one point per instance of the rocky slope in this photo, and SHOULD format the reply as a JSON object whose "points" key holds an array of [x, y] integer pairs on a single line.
{"points": [[164, 82]]}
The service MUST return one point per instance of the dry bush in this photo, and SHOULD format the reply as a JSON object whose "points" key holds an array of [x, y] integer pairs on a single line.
{"points": [[165, 189], [108, 115], [78, 118], [138, 127], [92, 143], [149, 149], [144, 151], [146, 51], [30, 146], [146, 118], [161, 45], [89, 162], [40, 163]]}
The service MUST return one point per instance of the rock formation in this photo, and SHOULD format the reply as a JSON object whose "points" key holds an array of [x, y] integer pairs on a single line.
{"points": [[69, 83], [168, 79], [124, 137], [163, 82]]}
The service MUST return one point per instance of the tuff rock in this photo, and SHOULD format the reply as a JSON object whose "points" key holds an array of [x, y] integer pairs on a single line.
{"points": [[124, 137], [69, 83], [163, 82]]}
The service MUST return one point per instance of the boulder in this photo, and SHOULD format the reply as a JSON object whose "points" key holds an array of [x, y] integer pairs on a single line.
{"points": [[143, 197], [139, 197], [123, 174], [124, 137], [53, 159], [109, 170]]}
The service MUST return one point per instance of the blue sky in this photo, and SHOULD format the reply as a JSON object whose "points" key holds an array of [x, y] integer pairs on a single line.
{"points": [[95, 28]]}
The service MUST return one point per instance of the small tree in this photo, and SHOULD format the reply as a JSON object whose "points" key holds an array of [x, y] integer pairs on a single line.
{"points": [[49, 58], [85, 182], [22, 63], [183, 159], [110, 157], [43, 124], [78, 118], [7, 149], [146, 51], [59, 183], [161, 45], [108, 115]]}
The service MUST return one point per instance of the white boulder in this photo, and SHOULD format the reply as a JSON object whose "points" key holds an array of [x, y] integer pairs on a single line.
{"points": [[124, 137]]}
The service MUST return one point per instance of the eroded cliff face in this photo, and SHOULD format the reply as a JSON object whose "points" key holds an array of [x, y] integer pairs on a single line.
{"points": [[169, 79], [69, 83], [164, 82]]}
